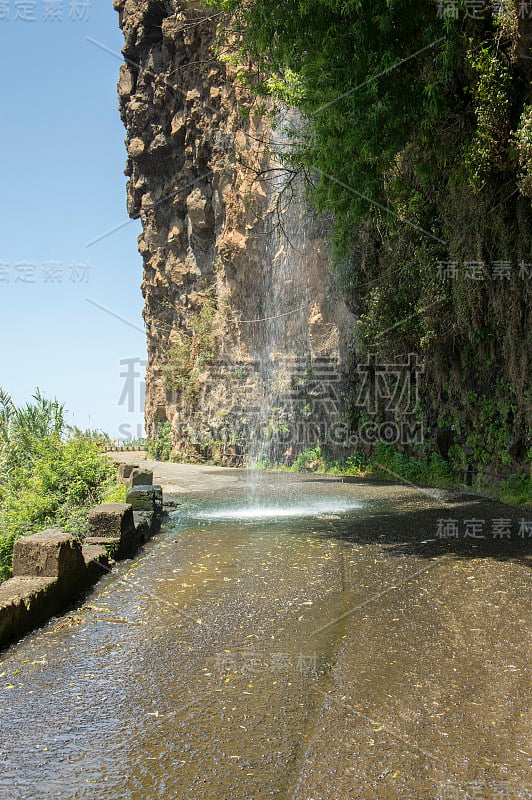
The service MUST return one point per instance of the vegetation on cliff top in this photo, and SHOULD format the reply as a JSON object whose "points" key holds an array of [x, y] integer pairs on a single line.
{"points": [[50, 475]]}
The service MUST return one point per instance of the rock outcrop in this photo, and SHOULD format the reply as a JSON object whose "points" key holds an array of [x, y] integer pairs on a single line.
{"points": [[247, 331]]}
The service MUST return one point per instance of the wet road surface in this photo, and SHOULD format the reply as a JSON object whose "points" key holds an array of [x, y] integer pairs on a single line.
{"points": [[322, 642]]}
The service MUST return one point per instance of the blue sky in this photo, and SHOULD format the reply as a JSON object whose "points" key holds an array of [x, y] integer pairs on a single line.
{"points": [[62, 159]]}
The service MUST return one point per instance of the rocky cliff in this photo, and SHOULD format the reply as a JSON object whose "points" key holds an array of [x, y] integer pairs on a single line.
{"points": [[248, 336]]}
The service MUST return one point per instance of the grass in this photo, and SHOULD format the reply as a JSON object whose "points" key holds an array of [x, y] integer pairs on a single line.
{"points": [[431, 470], [115, 494]]}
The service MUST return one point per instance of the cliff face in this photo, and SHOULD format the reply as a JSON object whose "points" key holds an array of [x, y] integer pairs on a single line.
{"points": [[247, 332]]}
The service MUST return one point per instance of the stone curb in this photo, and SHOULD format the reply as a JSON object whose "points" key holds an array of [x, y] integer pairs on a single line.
{"points": [[51, 569]]}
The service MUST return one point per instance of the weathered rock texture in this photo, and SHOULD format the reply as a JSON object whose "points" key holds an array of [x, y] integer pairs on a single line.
{"points": [[113, 524], [216, 259], [47, 554]]}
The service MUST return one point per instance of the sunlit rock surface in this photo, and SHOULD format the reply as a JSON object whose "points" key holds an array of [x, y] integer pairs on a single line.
{"points": [[243, 312]]}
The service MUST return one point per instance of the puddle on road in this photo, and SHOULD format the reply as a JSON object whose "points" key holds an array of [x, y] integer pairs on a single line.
{"points": [[264, 511], [258, 512], [190, 674]]}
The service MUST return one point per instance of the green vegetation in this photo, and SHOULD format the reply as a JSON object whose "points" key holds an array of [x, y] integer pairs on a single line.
{"points": [[415, 135], [429, 470], [160, 446], [192, 352], [50, 476], [115, 493]]}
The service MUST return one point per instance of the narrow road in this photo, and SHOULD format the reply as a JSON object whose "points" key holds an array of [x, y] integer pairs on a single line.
{"points": [[321, 641]]}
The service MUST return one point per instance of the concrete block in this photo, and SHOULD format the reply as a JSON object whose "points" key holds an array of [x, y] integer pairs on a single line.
{"points": [[144, 523], [141, 498], [50, 554], [101, 541], [111, 520], [125, 470], [141, 477], [26, 603], [158, 498], [96, 560], [113, 523]]}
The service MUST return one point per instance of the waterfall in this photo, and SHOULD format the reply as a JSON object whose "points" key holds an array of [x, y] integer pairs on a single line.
{"points": [[298, 377]]}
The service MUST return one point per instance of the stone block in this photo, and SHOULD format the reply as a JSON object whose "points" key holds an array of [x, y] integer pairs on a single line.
{"points": [[48, 554], [144, 523], [125, 470], [141, 498], [111, 520], [96, 559], [113, 523], [158, 498], [107, 542], [26, 603], [147, 503], [141, 477]]}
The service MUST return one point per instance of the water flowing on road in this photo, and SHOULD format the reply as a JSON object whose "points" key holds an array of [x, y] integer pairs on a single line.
{"points": [[326, 642]]}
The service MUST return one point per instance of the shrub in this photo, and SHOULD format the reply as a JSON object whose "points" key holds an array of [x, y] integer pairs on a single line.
{"points": [[160, 446], [46, 479]]}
